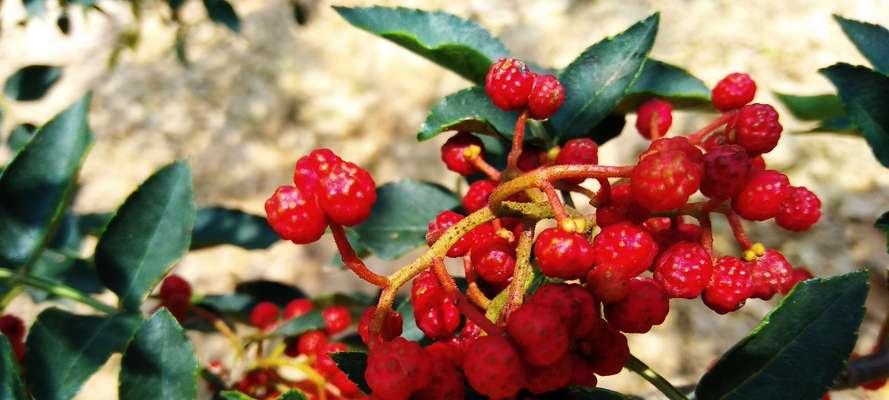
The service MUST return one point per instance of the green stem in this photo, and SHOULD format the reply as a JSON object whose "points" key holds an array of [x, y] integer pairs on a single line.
{"points": [[57, 289], [636, 365]]}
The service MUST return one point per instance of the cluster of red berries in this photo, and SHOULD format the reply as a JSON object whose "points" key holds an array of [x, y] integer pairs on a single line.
{"points": [[326, 190], [14, 329], [512, 86]]}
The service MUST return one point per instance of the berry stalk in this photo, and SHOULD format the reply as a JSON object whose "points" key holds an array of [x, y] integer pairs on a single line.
{"points": [[518, 139], [56, 289], [522, 273], [698, 136], [738, 230], [351, 260], [636, 365]]}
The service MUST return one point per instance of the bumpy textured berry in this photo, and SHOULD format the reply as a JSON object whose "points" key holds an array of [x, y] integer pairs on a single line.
{"points": [[762, 196], [391, 328], [445, 383], [606, 349], [493, 367], [477, 195], [575, 306], [578, 151], [397, 369], [494, 261], [800, 274], [582, 374], [627, 245], [297, 308], [313, 167], [336, 319], [561, 254], [347, 194], [679, 143], [311, 342], [547, 95], [540, 333], [264, 315], [799, 210], [435, 312], [653, 118], [756, 128], [609, 282], [529, 159], [730, 286], [452, 152], [646, 305], [620, 207], [684, 270], [726, 169], [439, 225], [295, 215], [508, 84], [664, 180], [772, 273], [733, 91], [551, 377]]}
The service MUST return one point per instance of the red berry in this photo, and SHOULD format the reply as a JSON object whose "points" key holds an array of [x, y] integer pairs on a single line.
{"points": [[508, 84], [684, 269], [311, 168], [800, 274], [452, 152], [626, 245], [756, 128], [449, 351], [680, 143], [476, 196], [480, 234], [799, 210], [529, 159], [494, 261], [762, 196], [439, 225], [539, 332], [575, 306], [733, 91], [606, 349], [174, 289], [311, 342], [445, 383], [295, 215], [730, 286], [547, 95], [551, 377], [493, 367], [772, 273], [391, 328], [664, 180], [582, 373], [653, 118], [13, 327], [336, 319], [726, 169], [620, 207], [435, 312], [646, 305], [561, 254], [757, 163], [397, 369], [609, 282], [348, 194], [581, 151], [297, 308], [264, 315]]}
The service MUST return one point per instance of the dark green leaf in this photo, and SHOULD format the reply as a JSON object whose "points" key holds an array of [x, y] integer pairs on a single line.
{"points": [[351, 300], [400, 216], [882, 224], [866, 96], [233, 304], [609, 128], [11, 386], [597, 80], [812, 108], [150, 231], [409, 328], [293, 395], [297, 326], [798, 349], [666, 81], [275, 292], [870, 39], [468, 110], [159, 362], [222, 12], [94, 223], [37, 184], [64, 349], [837, 125], [455, 43], [74, 272], [582, 393], [214, 226], [67, 237], [20, 136], [234, 395], [353, 363], [31, 82]]}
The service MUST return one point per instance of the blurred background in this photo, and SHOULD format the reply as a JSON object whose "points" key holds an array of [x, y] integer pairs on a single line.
{"points": [[249, 104]]}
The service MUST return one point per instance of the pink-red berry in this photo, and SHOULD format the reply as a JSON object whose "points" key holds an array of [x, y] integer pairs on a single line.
{"points": [[397, 369], [653, 118], [726, 169], [577, 308], [313, 167], [435, 312], [295, 215], [761, 196], [772, 273], [799, 210], [336, 319], [609, 282], [347, 194], [626, 245], [730, 286], [547, 95], [606, 349], [540, 332], [493, 367], [494, 261], [551, 377], [477, 195], [264, 315], [453, 152], [582, 151], [646, 305], [392, 325], [508, 84], [684, 270], [561, 254], [756, 128], [297, 308], [733, 91], [664, 180]]}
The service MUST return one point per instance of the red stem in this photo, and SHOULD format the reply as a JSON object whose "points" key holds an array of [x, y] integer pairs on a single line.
{"points": [[352, 261], [476, 316], [486, 168], [446, 280], [699, 136], [518, 138], [738, 230], [706, 233]]}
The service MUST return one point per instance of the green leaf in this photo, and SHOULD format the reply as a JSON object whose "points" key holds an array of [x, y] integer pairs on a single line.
{"points": [[455, 43], [275, 292], [11, 386], [468, 110], [150, 231], [798, 349], [217, 225], [609, 128], [304, 323], [234, 395], [865, 94], [32, 82], [77, 273], [64, 349], [870, 39], [159, 362], [409, 328], [353, 363], [222, 12], [37, 184], [582, 393], [812, 108], [20, 136], [882, 224], [668, 82], [293, 395], [400, 216], [597, 80], [232, 304], [837, 125]]}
